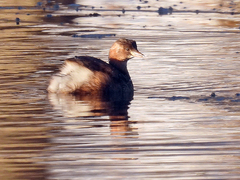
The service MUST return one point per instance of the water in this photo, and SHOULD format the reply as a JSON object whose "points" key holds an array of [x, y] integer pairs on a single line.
{"points": [[173, 129]]}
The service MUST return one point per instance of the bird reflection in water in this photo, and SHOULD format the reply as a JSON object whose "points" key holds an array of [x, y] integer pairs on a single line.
{"points": [[85, 127], [69, 105]]}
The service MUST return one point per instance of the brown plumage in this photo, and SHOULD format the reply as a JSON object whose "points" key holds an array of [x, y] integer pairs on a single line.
{"points": [[85, 75]]}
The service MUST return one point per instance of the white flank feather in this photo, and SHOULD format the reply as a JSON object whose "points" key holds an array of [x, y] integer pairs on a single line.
{"points": [[70, 78]]}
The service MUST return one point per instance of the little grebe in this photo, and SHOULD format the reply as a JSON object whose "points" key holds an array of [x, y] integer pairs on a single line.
{"points": [[85, 75]]}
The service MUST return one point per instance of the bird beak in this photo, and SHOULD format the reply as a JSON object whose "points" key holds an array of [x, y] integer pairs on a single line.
{"points": [[136, 53]]}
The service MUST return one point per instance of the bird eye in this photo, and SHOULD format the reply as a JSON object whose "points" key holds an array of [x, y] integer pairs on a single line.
{"points": [[127, 49]]}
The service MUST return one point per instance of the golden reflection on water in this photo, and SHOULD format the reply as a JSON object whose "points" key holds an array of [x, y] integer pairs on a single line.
{"points": [[22, 148], [191, 136]]}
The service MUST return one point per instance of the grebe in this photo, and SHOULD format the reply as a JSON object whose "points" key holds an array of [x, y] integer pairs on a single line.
{"points": [[85, 75]]}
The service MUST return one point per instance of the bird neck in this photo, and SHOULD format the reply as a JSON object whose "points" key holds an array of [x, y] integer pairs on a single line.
{"points": [[120, 65]]}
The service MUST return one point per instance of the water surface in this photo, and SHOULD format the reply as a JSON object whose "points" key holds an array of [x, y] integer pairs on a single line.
{"points": [[173, 129]]}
